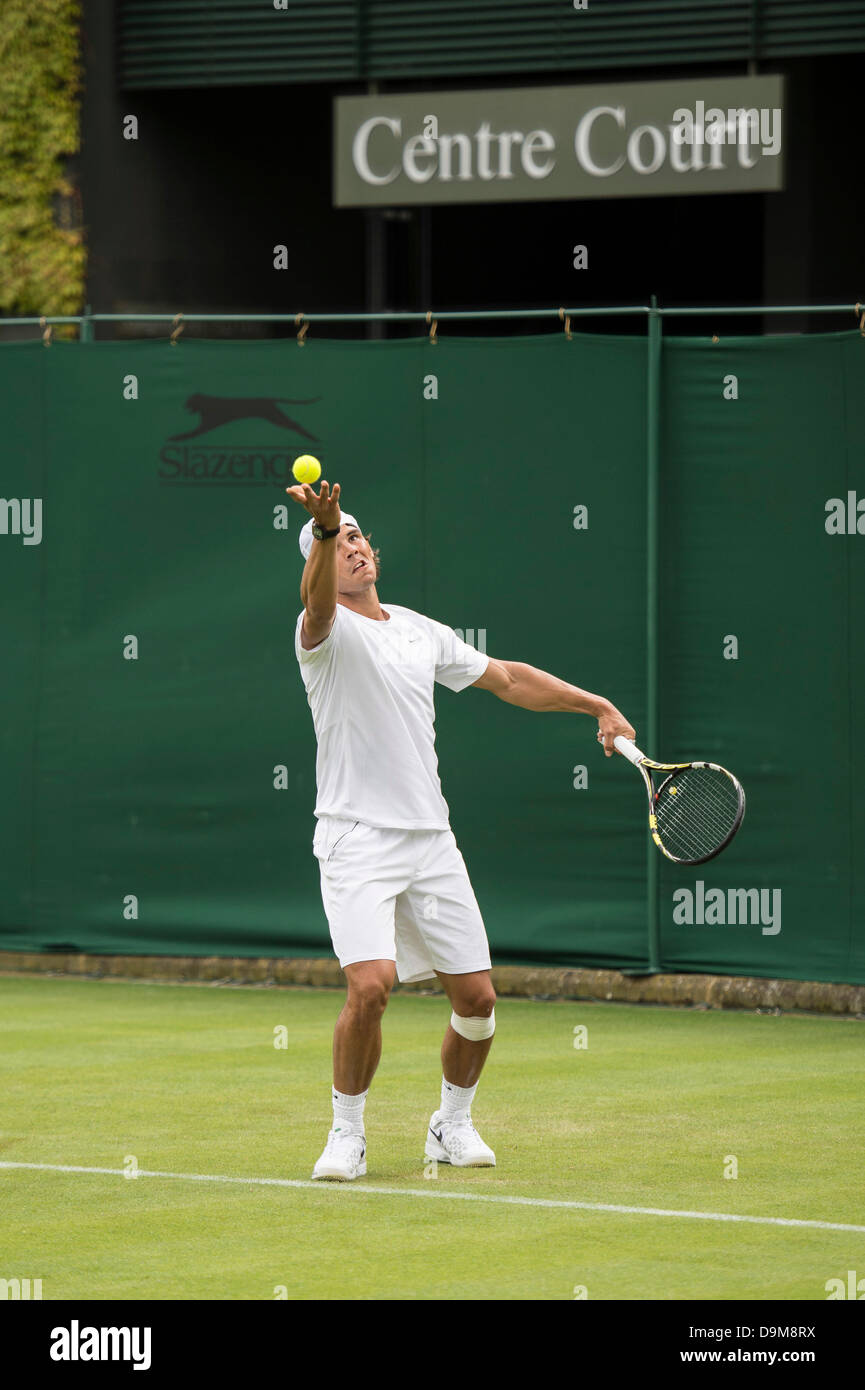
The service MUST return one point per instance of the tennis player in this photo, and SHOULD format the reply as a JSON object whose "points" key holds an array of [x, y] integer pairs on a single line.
{"points": [[394, 885]]}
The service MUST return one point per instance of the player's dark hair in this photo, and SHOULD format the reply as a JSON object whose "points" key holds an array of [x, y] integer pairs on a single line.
{"points": [[376, 555]]}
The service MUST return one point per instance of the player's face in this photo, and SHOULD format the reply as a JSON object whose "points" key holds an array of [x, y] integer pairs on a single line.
{"points": [[355, 561]]}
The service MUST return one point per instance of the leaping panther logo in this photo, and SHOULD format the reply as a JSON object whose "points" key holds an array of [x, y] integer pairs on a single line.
{"points": [[222, 410]]}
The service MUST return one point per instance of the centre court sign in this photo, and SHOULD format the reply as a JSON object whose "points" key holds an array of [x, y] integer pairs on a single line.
{"points": [[714, 135]]}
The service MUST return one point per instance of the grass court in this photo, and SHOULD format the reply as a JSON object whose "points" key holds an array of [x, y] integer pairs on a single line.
{"points": [[194, 1082]]}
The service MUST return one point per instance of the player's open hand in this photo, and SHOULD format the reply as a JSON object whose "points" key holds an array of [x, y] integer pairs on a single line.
{"points": [[323, 506], [610, 724]]}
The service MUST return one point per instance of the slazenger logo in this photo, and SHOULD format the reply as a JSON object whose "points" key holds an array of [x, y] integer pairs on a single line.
{"points": [[76, 1343], [232, 465]]}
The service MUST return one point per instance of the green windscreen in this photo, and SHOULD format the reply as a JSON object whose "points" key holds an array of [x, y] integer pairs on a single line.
{"points": [[157, 746]]}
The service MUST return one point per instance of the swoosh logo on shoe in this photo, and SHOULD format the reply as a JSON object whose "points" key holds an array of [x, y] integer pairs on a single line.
{"points": [[434, 1135]]}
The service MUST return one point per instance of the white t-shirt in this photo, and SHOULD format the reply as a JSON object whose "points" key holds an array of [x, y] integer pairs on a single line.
{"points": [[370, 688]]}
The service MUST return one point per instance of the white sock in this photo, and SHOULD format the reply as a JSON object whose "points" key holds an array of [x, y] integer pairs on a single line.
{"points": [[348, 1110], [456, 1100]]}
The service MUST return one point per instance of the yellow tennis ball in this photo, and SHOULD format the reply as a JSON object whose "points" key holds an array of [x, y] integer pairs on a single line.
{"points": [[306, 468]]}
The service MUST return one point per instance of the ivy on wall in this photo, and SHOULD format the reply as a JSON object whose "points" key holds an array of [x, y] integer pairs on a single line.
{"points": [[42, 254]]}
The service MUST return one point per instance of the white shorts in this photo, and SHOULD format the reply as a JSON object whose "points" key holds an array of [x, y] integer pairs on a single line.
{"points": [[400, 895]]}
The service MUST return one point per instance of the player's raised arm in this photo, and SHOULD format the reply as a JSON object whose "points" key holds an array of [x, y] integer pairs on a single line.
{"points": [[319, 583], [530, 688]]}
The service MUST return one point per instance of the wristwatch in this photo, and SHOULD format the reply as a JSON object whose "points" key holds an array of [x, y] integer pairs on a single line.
{"points": [[320, 534]]}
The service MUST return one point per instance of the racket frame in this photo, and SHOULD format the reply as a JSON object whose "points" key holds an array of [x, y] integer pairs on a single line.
{"points": [[646, 766]]}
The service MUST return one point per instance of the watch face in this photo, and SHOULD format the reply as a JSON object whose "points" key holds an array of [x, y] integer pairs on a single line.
{"points": [[316, 531]]}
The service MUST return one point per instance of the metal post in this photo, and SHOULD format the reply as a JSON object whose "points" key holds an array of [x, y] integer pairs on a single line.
{"points": [[85, 332], [653, 448]]}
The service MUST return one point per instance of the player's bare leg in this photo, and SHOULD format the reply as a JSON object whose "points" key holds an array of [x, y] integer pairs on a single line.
{"points": [[471, 996], [452, 1137], [357, 1035], [356, 1054]]}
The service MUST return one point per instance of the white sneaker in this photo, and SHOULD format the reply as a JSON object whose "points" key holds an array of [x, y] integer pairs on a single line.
{"points": [[344, 1156], [457, 1142]]}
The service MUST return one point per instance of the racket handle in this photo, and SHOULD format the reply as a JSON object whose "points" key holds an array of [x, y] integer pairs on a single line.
{"points": [[628, 749]]}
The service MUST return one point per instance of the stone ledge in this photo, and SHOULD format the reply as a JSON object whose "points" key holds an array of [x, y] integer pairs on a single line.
{"points": [[518, 981]]}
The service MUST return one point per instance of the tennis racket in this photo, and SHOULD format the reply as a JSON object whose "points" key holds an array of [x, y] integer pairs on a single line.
{"points": [[695, 811]]}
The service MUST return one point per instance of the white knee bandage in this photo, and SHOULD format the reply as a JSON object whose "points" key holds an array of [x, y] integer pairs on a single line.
{"points": [[474, 1028]]}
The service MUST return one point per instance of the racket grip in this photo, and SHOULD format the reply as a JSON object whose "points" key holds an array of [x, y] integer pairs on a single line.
{"points": [[628, 749]]}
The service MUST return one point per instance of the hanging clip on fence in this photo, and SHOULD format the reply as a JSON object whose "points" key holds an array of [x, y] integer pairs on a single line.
{"points": [[177, 329], [566, 320], [303, 329], [860, 314], [434, 323], [48, 329]]}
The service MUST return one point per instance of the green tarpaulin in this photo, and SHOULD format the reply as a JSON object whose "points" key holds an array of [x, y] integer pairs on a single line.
{"points": [[157, 748]]}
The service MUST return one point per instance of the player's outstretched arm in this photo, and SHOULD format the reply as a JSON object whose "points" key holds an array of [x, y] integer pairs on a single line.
{"points": [[319, 584], [526, 686]]}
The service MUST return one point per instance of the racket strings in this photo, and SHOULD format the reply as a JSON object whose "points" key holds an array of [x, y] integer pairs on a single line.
{"points": [[696, 812], [691, 832]]}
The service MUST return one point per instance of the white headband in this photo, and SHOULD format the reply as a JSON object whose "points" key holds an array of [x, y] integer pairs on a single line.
{"points": [[305, 537]]}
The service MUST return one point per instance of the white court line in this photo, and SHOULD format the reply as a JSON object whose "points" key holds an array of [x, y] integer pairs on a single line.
{"points": [[450, 1196]]}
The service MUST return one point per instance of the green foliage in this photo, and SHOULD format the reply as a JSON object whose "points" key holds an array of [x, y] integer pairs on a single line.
{"points": [[41, 263]]}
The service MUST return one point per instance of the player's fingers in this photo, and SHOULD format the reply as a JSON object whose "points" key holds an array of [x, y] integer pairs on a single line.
{"points": [[335, 494]]}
